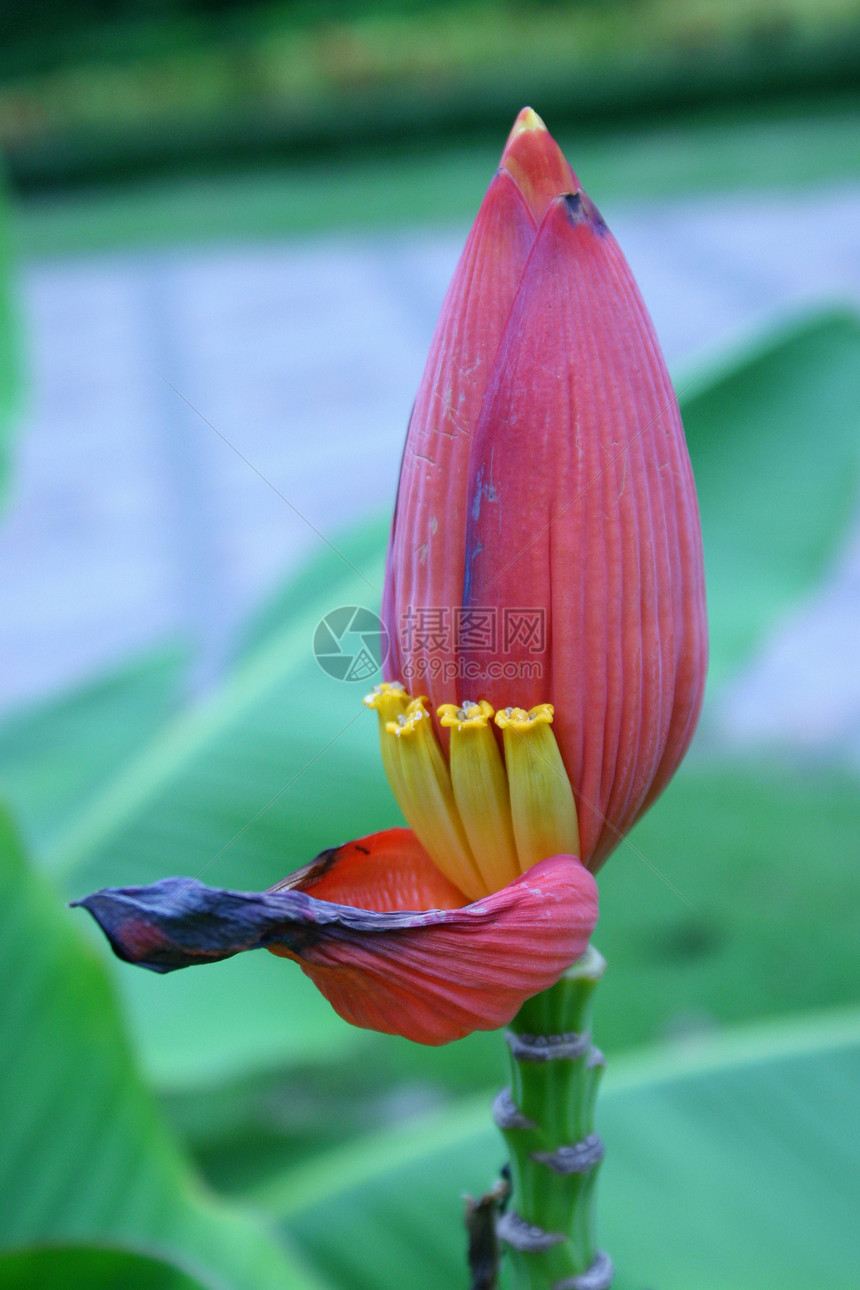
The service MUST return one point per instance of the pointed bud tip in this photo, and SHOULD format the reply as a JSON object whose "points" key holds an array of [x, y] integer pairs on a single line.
{"points": [[527, 119], [536, 163]]}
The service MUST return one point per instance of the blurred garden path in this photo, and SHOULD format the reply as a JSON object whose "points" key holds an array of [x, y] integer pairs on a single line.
{"points": [[132, 521]]}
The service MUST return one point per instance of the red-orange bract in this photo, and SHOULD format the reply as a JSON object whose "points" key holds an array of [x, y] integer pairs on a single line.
{"points": [[387, 939]]}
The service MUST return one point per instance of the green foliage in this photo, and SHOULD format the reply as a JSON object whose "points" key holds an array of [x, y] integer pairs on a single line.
{"points": [[717, 153], [89, 1268], [55, 757], [729, 1168], [245, 80], [257, 777], [717, 907], [775, 441], [239, 789], [85, 1157]]}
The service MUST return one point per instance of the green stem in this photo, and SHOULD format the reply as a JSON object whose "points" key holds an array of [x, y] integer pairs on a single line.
{"points": [[547, 1119]]}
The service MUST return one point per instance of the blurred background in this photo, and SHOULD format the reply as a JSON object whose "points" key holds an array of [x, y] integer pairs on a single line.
{"points": [[225, 234], [247, 214]]}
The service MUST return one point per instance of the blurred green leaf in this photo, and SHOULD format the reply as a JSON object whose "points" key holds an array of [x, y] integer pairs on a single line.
{"points": [[729, 1167], [714, 152], [84, 1156], [245, 1130], [76, 1267], [359, 551], [716, 908], [277, 763], [774, 436], [253, 1013], [56, 755]]}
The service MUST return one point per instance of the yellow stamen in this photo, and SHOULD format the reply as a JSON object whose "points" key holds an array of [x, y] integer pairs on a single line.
{"points": [[484, 820], [481, 791], [542, 807], [389, 700], [422, 786]]}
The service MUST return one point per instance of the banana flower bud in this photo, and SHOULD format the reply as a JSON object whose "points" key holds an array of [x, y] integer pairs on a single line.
{"points": [[544, 599], [546, 547]]}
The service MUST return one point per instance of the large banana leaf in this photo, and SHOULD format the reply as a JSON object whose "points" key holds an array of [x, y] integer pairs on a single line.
{"points": [[84, 1156], [774, 436], [730, 1166], [55, 757], [81, 1267], [277, 763]]}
